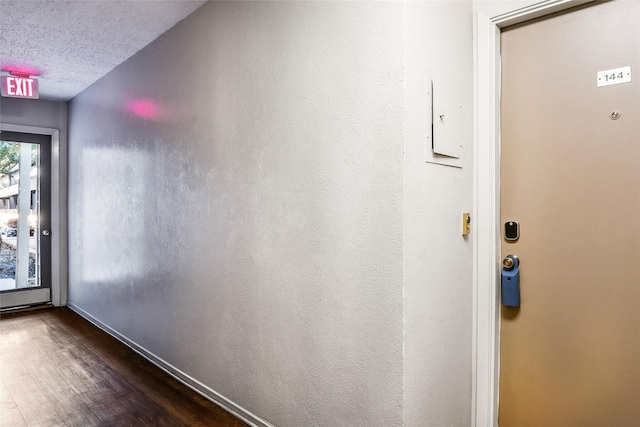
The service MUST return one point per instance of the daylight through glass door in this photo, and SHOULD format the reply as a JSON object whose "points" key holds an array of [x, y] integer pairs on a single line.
{"points": [[19, 213]]}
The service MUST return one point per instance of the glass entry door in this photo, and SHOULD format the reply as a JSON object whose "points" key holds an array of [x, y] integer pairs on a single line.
{"points": [[25, 219]]}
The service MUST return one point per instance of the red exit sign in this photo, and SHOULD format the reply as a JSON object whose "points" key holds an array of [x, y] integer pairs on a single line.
{"points": [[19, 87]]}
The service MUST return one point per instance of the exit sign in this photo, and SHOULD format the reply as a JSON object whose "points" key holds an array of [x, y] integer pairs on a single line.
{"points": [[19, 87]]}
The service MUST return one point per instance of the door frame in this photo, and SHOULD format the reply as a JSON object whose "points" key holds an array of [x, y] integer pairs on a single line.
{"points": [[490, 18], [58, 255]]}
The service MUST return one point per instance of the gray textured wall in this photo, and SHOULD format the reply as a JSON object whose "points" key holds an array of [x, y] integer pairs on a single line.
{"points": [[39, 113], [236, 206]]}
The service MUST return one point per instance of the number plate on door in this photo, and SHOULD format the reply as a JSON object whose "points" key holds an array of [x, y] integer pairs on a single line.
{"points": [[614, 77]]}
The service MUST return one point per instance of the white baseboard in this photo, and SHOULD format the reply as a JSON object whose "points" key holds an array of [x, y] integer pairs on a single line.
{"points": [[190, 382]]}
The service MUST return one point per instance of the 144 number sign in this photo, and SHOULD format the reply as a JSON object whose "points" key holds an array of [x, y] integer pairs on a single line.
{"points": [[614, 76]]}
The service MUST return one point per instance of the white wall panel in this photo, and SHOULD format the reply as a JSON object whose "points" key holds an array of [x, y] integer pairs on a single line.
{"points": [[438, 290]]}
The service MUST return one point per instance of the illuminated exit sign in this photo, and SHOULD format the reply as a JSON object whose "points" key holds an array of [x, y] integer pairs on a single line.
{"points": [[19, 87]]}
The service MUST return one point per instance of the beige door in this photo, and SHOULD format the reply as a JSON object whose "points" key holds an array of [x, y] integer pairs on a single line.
{"points": [[570, 175]]}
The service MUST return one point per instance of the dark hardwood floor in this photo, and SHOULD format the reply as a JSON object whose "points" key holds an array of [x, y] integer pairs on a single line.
{"points": [[57, 369]]}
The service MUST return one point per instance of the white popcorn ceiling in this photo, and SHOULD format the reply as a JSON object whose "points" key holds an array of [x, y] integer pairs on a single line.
{"points": [[74, 43]]}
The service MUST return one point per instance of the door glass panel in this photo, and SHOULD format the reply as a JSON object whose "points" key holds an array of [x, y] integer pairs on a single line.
{"points": [[19, 213]]}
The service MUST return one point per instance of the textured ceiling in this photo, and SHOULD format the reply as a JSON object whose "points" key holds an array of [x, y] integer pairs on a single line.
{"points": [[74, 43]]}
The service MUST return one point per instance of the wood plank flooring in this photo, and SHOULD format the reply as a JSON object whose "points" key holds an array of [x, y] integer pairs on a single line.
{"points": [[57, 369]]}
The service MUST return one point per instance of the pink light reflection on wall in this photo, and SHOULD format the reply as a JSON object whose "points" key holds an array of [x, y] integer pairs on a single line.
{"points": [[144, 108], [151, 110]]}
